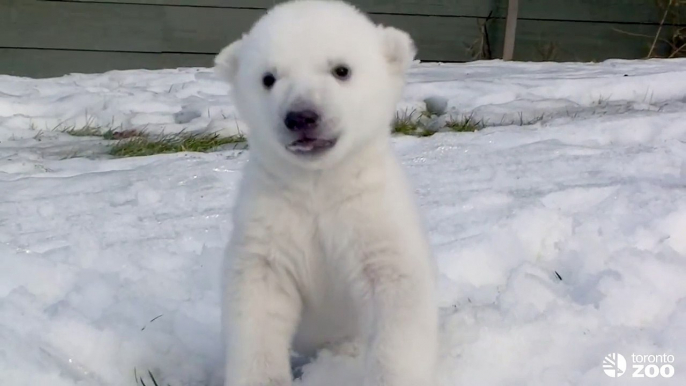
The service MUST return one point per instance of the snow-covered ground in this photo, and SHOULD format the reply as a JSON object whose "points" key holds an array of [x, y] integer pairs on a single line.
{"points": [[559, 230]]}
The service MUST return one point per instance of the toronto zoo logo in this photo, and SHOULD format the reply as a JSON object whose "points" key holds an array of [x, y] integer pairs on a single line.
{"points": [[644, 366], [614, 365]]}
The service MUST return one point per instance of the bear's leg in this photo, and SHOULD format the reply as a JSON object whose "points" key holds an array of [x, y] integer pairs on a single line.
{"points": [[261, 312], [402, 341]]}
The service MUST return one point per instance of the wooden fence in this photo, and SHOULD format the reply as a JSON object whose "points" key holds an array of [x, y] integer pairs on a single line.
{"points": [[48, 37]]}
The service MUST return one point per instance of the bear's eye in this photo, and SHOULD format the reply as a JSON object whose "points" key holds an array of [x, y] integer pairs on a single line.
{"points": [[341, 72], [268, 80]]}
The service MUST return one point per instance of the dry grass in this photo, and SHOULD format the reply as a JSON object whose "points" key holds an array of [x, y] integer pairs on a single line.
{"points": [[674, 18], [480, 48], [669, 41], [141, 382]]}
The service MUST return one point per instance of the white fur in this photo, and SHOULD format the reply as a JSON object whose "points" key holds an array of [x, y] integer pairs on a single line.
{"points": [[325, 249]]}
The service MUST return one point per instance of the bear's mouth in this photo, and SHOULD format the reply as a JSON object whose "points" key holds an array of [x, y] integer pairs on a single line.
{"points": [[307, 145]]}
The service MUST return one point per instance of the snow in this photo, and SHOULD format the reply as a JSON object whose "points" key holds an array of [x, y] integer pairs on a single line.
{"points": [[559, 230]]}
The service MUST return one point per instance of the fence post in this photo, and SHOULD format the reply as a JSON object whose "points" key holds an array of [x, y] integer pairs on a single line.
{"points": [[510, 29]]}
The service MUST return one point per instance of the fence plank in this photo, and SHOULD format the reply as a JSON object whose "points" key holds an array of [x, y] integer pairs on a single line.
{"points": [[40, 24], [405, 7], [624, 11], [39, 63], [205, 30], [570, 41]]}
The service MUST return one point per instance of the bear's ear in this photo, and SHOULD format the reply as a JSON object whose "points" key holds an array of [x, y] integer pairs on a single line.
{"points": [[226, 62], [398, 46]]}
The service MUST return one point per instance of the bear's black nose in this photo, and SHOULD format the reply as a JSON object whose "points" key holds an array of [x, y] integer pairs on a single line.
{"points": [[301, 120]]}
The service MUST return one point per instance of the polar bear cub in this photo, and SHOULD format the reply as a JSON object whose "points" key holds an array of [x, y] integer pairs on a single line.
{"points": [[328, 246]]}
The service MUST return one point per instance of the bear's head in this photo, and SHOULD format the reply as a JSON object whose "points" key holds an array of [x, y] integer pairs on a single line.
{"points": [[315, 80]]}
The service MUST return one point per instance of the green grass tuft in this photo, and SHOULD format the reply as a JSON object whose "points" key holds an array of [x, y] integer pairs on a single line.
{"points": [[465, 124], [409, 123], [143, 145], [406, 123]]}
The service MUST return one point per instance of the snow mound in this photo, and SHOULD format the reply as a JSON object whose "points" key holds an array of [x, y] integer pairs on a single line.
{"points": [[559, 241]]}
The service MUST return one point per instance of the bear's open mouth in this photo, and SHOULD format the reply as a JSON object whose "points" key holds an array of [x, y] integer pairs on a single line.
{"points": [[308, 145]]}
